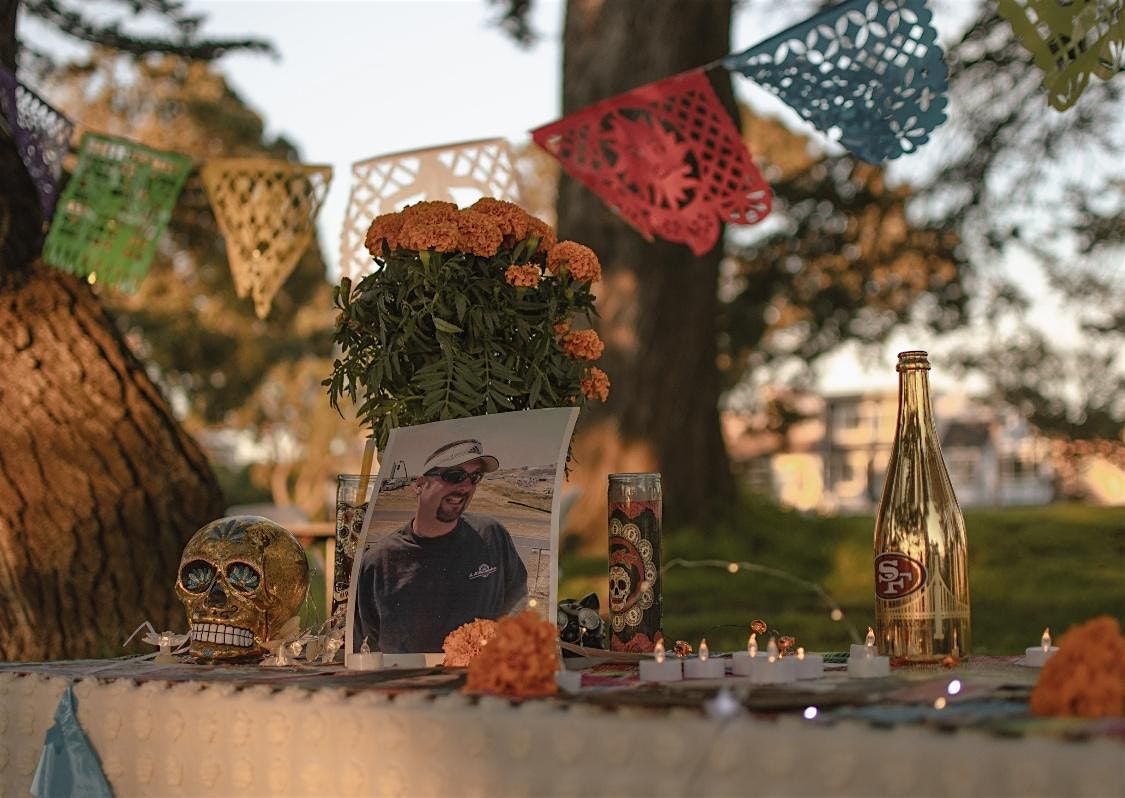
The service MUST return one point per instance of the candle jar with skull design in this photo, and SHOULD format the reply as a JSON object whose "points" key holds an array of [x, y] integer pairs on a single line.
{"points": [[634, 561]]}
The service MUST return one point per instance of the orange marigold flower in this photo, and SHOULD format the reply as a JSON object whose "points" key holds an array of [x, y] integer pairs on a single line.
{"points": [[1086, 676], [580, 261], [464, 643], [595, 384], [480, 235], [434, 211], [561, 327], [526, 276], [509, 217], [519, 661], [582, 345], [384, 228], [421, 232], [546, 233]]}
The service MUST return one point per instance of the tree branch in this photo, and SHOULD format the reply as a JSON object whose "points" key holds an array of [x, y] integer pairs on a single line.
{"points": [[111, 34]]}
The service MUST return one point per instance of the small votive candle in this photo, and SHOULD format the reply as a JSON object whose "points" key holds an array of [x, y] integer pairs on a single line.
{"points": [[870, 665], [404, 661], [703, 667], [773, 669], [364, 661], [660, 668], [808, 666], [1037, 656], [742, 662]]}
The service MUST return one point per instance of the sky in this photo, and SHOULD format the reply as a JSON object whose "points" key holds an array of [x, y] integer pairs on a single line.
{"points": [[352, 80]]}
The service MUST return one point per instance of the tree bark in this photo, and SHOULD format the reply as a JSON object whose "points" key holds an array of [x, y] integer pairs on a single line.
{"points": [[659, 303], [99, 487]]}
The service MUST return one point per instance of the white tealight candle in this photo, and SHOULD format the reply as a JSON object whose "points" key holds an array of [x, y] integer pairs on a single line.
{"points": [[742, 662], [660, 668], [364, 661], [869, 665], [808, 666], [773, 670], [404, 660], [703, 667], [860, 649], [1037, 656]]}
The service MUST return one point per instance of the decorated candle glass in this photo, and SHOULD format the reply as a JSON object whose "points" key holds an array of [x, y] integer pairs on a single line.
{"points": [[353, 494]]}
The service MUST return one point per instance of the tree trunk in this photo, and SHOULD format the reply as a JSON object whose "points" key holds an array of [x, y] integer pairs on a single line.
{"points": [[659, 303], [99, 487]]}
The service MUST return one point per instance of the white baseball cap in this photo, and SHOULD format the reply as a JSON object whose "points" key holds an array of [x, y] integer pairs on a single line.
{"points": [[459, 453]]}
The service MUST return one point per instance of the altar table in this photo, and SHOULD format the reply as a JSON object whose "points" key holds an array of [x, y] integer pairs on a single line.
{"points": [[198, 730]]}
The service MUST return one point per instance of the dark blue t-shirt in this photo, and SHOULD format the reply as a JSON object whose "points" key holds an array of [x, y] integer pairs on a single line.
{"points": [[412, 591]]}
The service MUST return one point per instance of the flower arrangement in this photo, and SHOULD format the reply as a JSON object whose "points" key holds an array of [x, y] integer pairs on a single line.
{"points": [[469, 311], [465, 642], [519, 661], [1086, 677]]}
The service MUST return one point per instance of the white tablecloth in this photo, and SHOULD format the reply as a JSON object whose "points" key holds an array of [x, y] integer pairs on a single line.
{"points": [[189, 738]]}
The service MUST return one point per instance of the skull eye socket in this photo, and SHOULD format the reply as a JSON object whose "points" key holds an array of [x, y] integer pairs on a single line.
{"points": [[243, 577], [197, 576]]}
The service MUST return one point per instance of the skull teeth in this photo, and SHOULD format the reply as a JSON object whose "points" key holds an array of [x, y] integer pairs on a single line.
{"points": [[222, 635]]}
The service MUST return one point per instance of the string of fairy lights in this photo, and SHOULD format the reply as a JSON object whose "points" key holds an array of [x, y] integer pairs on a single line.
{"points": [[835, 611]]}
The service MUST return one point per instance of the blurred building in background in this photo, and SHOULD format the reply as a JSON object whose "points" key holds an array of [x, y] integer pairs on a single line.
{"points": [[829, 454]]}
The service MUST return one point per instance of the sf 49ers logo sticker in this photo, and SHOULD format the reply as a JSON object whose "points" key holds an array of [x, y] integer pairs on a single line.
{"points": [[897, 575]]}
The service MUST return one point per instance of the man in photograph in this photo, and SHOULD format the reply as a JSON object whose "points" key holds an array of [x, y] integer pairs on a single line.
{"points": [[442, 568]]}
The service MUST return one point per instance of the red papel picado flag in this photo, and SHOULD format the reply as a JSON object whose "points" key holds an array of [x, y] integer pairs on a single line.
{"points": [[666, 157]]}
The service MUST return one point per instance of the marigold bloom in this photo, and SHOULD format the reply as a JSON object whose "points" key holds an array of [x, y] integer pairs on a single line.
{"points": [[546, 233], [384, 229], [419, 233], [582, 345], [526, 276], [519, 661], [509, 217], [580, 261], [561, 328], [595, 384], [434, 211], [480, 235], [1086, 676], [465, 642]]}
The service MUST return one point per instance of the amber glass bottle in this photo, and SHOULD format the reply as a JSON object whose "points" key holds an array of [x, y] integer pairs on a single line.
{"points": [[921, 553]]}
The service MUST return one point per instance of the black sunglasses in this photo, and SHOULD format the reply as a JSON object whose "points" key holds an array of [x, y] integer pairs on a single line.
{"points": [[455, 476]]}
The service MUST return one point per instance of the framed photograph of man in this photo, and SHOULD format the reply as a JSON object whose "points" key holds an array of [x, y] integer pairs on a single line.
{"points": [[464, 525]]}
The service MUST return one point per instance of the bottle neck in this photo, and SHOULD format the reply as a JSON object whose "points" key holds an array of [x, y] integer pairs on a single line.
{"points": [[914, 409]]}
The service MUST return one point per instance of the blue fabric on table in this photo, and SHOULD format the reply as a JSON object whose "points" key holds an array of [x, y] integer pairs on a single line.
{"points": [[68, 765]]}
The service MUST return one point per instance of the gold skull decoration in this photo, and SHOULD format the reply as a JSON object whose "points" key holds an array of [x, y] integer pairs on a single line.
{"points": [[241, 579]]}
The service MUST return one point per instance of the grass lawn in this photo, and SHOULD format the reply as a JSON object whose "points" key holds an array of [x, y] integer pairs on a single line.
{"points": [[1028, 568]]}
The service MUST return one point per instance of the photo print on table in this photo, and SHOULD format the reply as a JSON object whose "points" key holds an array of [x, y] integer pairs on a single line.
{"points": [[464, 525]]}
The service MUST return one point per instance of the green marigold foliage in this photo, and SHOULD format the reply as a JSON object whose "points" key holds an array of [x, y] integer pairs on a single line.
{"points": [[431, 336]]}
